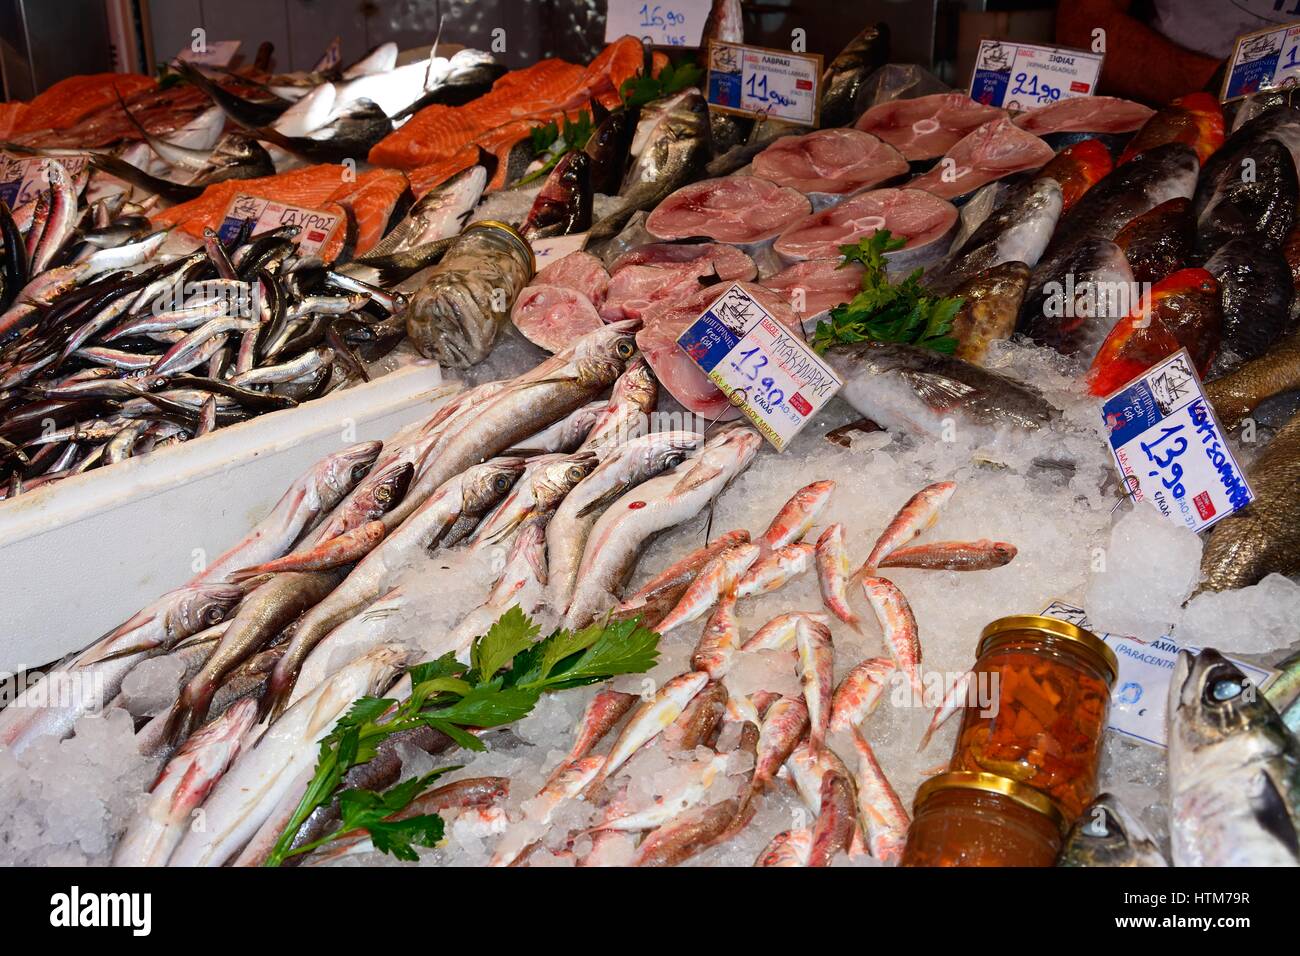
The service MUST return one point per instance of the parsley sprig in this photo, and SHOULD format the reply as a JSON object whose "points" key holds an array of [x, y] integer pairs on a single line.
{"points": [[640, 90], [556, 140], [508, 671], [883, 311]]}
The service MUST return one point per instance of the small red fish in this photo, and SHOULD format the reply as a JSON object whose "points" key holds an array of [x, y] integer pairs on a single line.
{"points": [[1182, 312]]}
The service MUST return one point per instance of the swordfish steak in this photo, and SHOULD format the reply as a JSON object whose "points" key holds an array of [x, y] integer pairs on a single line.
{"points": [[926, 126], [738, 209], [833, 161]]}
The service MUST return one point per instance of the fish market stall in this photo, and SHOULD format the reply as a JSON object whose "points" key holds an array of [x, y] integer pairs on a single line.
{"points": [[882, 475]]}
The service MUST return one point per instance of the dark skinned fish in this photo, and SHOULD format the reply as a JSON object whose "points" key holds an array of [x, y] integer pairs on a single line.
{"points": [[563, 206], [843, 79]]}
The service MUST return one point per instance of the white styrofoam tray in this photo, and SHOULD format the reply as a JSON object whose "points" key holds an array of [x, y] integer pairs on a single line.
{"points": [[81, 555]]}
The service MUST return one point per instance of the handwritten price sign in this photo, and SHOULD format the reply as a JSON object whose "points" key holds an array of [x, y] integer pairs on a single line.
{"points": [[1264, 60], [1023, 76], [1169, 448], [659, 24], [756, 81], [315, 226], [766, 370]]}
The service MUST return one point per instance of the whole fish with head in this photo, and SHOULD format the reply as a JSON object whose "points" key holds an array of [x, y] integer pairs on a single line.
{"points": [[440, 213], [627, 466], [1234, 769], [1077, 169], [912, 390], [247, 113], [777, 568], [859, 692], [472, 492], [651, 719], [881, 814], [625, 415], [844, 78], [719, 578], [816, 657], [1075, 298], [545, 482], [669, 148], [1017, 231], [533, 401], [981, 555], [898, 624], [796, 516], [619, 536], [563, 204], [1260, 539], [1107, 834], [608, 150], [661, 593], [833, 571], [262, 776]]}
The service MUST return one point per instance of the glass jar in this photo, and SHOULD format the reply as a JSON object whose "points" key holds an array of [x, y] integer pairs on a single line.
{"points": [[467, 297], [981, 819], [1050, 687]]}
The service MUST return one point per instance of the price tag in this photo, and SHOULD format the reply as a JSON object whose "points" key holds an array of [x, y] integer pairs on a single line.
{"points": [[219, 53], [659, 24], [756, 81], [765, 369], [1264, 60], [549, 250], [22, 177], [1170, 449], [316, 225], [1140, 697], [1023, 76]]}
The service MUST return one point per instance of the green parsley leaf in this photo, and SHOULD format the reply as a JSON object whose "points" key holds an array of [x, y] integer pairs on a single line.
{"points": [[513, 632]]}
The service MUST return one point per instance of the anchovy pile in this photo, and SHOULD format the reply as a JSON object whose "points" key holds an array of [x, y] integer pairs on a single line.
{"points": [[109, 351]]}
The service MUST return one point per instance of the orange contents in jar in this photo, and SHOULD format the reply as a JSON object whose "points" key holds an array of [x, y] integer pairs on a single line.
{"points": [[1051, 682], [981, 819]]}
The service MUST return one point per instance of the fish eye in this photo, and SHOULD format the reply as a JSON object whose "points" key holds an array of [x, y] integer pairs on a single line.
{"points": [[502, 483], [214, 614], [673, 460], [383, 493], [575, 473], [1223, 689], [359, 472], [625, 349]]}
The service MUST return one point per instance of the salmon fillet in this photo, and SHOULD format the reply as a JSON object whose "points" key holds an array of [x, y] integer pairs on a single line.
{"points": [[70, 100], [517, 101], [371, 198]]}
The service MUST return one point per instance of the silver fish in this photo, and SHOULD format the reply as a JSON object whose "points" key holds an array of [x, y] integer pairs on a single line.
{"points": [[1234, 769]]}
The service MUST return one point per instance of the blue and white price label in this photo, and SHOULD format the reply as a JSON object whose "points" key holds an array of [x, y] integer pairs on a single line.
{"points": [[680, 23], [764, 368], [1140, 697], [548, 250], [1170, 449], [1024, 76], [22, 177], [1265, 60], [756, 81], [315, 226]]}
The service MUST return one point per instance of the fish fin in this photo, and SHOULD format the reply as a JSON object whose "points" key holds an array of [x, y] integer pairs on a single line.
{"points": [[602, 502], [1271, 812], [696, 477], [937, 391]]}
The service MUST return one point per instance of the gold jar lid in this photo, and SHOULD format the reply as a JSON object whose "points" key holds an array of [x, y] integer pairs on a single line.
{"points": [[1005, 629], [1023, 794], [512, 233]]}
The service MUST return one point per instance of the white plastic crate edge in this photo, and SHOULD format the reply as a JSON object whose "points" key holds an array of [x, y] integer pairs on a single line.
{"points": [[81, 556]]}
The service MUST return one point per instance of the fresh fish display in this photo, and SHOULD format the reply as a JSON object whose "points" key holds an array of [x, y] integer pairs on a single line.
{"points": [[563, 490]]}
